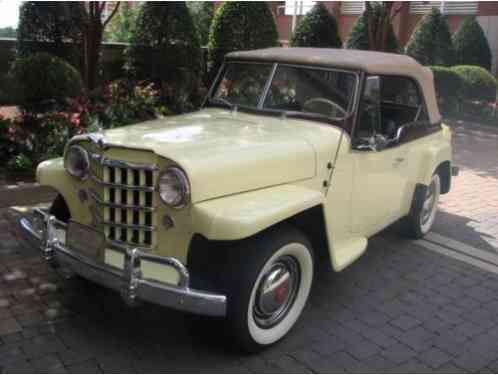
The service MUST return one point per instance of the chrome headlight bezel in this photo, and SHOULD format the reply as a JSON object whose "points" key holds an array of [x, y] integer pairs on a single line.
{"points": [[182, 188], [85, 159]]}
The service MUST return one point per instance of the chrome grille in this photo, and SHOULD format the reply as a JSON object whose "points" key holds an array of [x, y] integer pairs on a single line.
{"points": [[124, 197]]}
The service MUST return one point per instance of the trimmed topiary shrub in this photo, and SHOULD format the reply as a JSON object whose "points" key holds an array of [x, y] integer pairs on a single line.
{"points": [[165, 49], [358, 36], [202, 14], [430, 43], [471, 45], [447, 84], [55, 28], [240, 25], [45, 79], [317, 29], [477, 83]]}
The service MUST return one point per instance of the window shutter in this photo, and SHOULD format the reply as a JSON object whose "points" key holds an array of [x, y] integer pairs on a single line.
{"points": [[423, 7], [460, 7], [352, 7]]}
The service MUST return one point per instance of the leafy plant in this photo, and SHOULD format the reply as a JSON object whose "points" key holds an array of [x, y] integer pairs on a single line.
{"points": [[165, 50], [122, 25], [44, 79], [431, 43], [471, 45], [448, 85], [20, 162], [359, 36], [477, 83], [202, 14], [240, 25], [54, 28], [317, 29]]}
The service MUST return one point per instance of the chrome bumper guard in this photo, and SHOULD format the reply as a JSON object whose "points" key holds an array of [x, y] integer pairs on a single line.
{"points": [[41, 232]]}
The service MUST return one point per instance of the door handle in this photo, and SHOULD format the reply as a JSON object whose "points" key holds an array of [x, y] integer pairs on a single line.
{"points": [[399, 160]]}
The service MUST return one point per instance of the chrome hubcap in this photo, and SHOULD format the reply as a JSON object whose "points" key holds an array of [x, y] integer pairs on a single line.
{"points": [[429, 203], [276, 292]]}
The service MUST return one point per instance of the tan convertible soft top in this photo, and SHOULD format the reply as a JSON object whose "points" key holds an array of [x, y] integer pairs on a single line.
{"points": [[367, 61]]}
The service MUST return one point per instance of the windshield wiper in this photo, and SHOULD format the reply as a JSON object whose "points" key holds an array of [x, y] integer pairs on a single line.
{"points": [[221, 101]]}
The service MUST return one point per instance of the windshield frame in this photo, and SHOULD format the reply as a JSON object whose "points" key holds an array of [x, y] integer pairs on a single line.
{"points": [[296, 114]]}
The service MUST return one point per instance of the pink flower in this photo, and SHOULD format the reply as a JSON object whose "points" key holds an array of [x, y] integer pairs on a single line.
{"points": [[75, 119]]}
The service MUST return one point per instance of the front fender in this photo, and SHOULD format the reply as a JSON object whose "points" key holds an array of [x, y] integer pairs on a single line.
{"points": [[52, 173], [239, 216]]}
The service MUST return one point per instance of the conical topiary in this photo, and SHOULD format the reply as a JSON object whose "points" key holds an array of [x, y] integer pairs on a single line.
{"points": [[240, 25], [165, 49], [471, 45], [430, 43], [317, 29]]}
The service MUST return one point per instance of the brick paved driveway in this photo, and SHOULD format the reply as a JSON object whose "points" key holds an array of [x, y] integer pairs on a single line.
{"points": [[400, 308], [470, 211]]}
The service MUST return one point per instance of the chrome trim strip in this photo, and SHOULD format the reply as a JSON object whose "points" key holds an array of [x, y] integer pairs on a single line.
{"points": [[146, 228], [122, 186], [115, 163], [129, 281], [100, 202]]}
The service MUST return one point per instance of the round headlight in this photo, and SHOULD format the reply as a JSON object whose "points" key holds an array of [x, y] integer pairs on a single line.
{"points": [[76, 162], [174, 187]]}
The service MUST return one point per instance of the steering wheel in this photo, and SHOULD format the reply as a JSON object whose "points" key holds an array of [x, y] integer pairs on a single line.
{"points": [[326, 101]]}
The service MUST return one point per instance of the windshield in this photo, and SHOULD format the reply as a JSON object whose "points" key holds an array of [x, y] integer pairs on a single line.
{"points": [[293, 90]]}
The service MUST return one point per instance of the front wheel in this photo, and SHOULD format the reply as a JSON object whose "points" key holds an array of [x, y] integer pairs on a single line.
{"points": [[270, 281], [419, 222]]}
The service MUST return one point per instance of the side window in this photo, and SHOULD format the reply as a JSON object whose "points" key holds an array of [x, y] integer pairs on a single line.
{"points": [[388, 103], [401, 104]]}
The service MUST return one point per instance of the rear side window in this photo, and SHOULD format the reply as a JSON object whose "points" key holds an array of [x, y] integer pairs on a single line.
{"points": [[403, 92]]}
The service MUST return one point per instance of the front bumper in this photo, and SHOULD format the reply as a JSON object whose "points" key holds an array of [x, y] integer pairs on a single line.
{"points": [[42, 231]]}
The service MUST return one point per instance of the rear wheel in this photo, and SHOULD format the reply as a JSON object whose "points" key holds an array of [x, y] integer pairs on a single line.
{"points": [[424, 209], [267, 287]]}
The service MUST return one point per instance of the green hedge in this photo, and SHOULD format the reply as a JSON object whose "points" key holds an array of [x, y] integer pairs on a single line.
{"points": [[447, 84], [477, 83]]}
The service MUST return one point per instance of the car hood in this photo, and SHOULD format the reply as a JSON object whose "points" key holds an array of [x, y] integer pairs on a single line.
{"points": [[226, 152]]}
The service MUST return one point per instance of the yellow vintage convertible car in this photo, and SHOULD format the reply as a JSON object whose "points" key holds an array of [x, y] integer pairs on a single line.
{"points": [[297, 155]]}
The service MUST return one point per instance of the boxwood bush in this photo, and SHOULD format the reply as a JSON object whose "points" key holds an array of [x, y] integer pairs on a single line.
{"points": [[471, 45], [477, 83], [165, 49], [430, 43], [448, 84], [44, 79], [238, 26], [317, 29]]}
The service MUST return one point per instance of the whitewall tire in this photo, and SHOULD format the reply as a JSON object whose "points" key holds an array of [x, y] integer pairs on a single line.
{"points": [[424, 209], [269, 284]]}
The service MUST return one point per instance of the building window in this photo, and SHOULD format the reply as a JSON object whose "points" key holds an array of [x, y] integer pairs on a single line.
{"points": [[299, 7], [352, 7], [446, 7]]}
